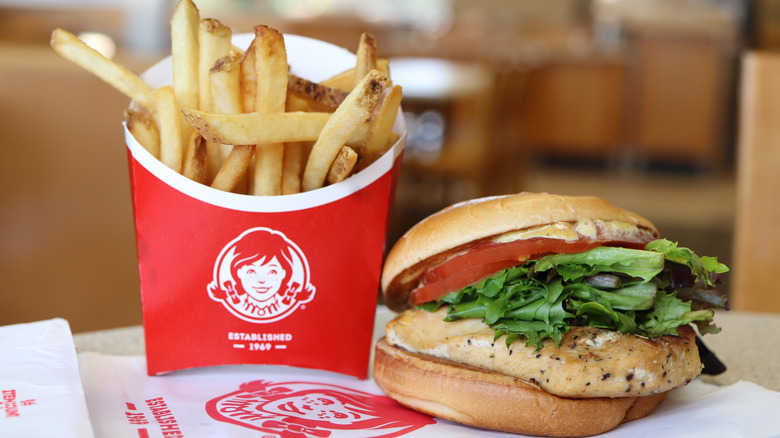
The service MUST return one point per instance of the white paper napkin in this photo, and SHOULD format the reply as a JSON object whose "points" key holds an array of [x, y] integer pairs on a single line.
{"points": [[40, 386], [125, 402]]}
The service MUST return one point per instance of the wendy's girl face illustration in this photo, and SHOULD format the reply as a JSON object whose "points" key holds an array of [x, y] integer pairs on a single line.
{"points": [[323, 407], [262, 279], [261, 276], [302, 409]]}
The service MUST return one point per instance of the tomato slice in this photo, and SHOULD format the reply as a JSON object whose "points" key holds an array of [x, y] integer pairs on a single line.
{"points": [[490, 257], [443, 286]]}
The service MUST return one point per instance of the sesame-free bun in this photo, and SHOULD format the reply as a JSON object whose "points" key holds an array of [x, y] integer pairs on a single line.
{"points": [[491, 400], [470, 221]]}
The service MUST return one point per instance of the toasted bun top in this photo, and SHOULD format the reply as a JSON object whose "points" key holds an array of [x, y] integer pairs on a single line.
{"points": [[469, 221]]}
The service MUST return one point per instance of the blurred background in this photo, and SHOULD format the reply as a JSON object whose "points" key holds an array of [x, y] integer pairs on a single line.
{"points": [[630, 100]]}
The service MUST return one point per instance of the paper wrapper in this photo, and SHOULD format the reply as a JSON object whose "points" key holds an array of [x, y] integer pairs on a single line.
{"points": [[194, 241], [40, 387], [238, 402], [273, 401]]}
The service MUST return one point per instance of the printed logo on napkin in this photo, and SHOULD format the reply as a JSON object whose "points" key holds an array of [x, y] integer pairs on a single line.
{"points": [[261, 276], [309, 409], [10, 404]]}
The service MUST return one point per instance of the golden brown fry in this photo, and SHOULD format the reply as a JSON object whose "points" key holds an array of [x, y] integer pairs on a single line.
{"points": [[271, 97], [185, 25], [271, 67], [367, 159], [294, 153], [128, 83], [226, 99], [383, 65], [355, 109], [167, 116], [253, 128], [341, 81], [185, 47], [346, 79], [267, 176], [144, 130], [214, 39], [248, 78], [391, 140], [234, 168], [257, 128], [236, 51], [295, 103], [376, 136], [380, 126], [318, 96], [292, 167], [195, 162], [366, 57], [343, 165], [224, 84]]}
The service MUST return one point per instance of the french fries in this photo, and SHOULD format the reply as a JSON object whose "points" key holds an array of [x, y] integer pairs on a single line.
{"points": [[342, 165], [292, 165], [195, 162], [248, 78], [294, 152], [167, 118], [257, 128], [355, 109], [234, 168], [270, 98], [366, 57], [129, 84], [239, 121], [380, 126], [144, 129], [185, 46], [319, 97], [226, 99], [346, 79], [214, 42], [224, 85]]}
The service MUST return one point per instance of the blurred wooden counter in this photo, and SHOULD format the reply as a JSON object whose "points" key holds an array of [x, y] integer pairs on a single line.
{"points": [[68, 243], [747, 344]]}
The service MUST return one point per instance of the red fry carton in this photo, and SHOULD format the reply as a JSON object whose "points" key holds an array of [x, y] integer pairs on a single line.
{"points": [[238, 279]]}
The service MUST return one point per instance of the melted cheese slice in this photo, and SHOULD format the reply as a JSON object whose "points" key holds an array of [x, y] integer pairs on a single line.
{"points": [[585, 228]]}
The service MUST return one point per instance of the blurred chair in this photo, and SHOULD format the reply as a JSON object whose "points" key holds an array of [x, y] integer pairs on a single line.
{"points": [[756, 263], [447, 107]]}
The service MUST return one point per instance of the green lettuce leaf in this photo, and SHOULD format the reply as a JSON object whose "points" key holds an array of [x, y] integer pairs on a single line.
{"points": [[542, 298], [701, 267], [668, 314], [631, 262]]}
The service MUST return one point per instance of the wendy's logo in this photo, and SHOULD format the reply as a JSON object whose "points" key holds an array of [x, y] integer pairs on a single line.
{"points": [[309, 409], [261, 276]]}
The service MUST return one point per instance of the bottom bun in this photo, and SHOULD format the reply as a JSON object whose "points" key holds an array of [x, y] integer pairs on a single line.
{"points": [[496, 401]]}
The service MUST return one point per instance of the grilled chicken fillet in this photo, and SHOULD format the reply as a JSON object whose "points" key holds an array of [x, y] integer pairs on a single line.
{"points": [[589, 362]]}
